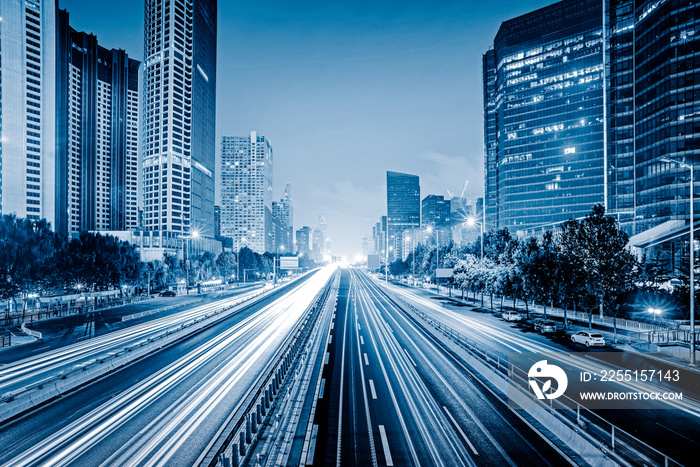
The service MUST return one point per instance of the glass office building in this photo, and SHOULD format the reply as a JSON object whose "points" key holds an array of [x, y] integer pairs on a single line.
{"points": [[543, 110], [403, 209], [667, 109]]}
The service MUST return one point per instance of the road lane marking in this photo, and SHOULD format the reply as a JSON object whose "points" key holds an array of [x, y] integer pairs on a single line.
{"points": [[362, 341], [366, 361], [358, 326], [330, 339], [385, 445], [328, 355], [371, 387], [459, 428], [323, 386], [312, 446], [332, 325], [409, 357]]}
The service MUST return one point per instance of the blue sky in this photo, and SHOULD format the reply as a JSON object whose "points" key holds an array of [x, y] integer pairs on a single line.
{"points": [[344, 90]]}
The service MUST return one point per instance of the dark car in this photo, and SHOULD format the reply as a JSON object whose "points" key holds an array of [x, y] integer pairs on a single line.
{"points": [[168, 293], [545, 326]]}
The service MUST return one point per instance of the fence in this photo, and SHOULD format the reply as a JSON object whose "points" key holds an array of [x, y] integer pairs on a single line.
{"points": [[5, 339], [608, 437], [50, 311]]}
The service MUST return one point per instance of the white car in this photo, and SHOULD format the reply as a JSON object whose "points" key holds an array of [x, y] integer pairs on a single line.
{"points": [[588, 338], [511, 316]]}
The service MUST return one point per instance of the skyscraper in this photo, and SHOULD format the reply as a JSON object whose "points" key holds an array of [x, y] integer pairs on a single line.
{"points": [[246, 184], [28, 109], [544, 116], [318, 245], [667, 110], [284, 211], [403, 209], [435, 211], [179, 115], [304, 241], [323, 227], [97, 102]]}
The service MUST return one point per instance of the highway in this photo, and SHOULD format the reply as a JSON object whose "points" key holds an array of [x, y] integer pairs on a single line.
{"points": [[165, 408], [673, 427], [44, 365], [393, 397]]}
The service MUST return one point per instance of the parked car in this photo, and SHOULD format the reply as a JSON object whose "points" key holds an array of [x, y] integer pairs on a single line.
{"points": [[588, 339], [167, 293], [545, 326], [511, 316]]}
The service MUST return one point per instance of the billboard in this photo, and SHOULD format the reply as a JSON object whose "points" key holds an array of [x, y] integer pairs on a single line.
{"points": [[443, 273], [372, 262], [289, 262]]}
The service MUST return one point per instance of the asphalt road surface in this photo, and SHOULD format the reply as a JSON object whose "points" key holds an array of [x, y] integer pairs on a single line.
{"points": [[393, 397]]}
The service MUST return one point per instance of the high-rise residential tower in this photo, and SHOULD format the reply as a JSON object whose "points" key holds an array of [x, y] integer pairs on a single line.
{"points": [[97, 102], [178, 136], [246, 184], [403, 209], [28, 109], [544, 116]]}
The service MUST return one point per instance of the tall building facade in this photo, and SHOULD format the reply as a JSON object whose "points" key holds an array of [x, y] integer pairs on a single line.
{"points": [[317, 242], [436, 211], [303, 237], [284, 211], [403, 209], [647, 114], [246, 184], [97, 102], [667, 109], [544, 116], [178, 137], [28, 109]]}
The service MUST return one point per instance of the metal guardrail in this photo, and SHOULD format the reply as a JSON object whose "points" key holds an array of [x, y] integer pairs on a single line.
{"points": [[30, 332], [609, 438], [5, 339], [232, 446]]}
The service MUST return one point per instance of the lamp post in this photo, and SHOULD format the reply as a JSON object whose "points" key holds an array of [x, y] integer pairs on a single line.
{"points": [[470, 222], [193, 234], [413, 258], [429, 229], [655, 311], [238, 262], [692, 257]]}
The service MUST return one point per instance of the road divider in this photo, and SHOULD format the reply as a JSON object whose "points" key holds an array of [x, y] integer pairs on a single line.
{"points": [[237, 438]]}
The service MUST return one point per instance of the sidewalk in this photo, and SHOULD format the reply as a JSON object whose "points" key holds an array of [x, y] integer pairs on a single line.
{"points": [[626, 339]]}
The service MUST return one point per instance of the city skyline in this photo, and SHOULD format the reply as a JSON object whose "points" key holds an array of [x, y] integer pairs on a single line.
{"points": [[382, 86]]}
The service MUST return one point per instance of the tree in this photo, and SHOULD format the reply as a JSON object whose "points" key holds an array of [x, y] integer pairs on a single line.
{"points": [[540, 261], [26, 247], [399, 268], [597, 247], [226, 262]]}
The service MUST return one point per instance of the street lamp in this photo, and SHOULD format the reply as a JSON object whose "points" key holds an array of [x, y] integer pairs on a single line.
{"points": [[471, 222], [692, 256], [193, 234], [274, 264], [238, 262], [655, 311], [429, 229], [413, 258]]}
